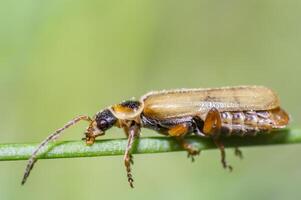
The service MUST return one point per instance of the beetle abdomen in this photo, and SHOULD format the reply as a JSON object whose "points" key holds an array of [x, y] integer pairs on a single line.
{"points": [[251, 122]]}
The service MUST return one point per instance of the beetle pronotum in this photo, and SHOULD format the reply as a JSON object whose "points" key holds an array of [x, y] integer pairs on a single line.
{"points": [[212, 112]]}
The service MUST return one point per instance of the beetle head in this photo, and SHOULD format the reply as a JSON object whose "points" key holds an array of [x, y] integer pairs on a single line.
{"points": [[102, 122]]}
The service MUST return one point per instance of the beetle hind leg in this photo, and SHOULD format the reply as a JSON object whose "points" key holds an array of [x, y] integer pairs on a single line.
{"points": [[238, 153], [212, 128], [221, 147]]}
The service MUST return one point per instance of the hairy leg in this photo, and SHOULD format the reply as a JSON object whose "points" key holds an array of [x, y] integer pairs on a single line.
{"points": [[192, 152], [238, 153], [212, 128], [133, 133], [221, 147]]}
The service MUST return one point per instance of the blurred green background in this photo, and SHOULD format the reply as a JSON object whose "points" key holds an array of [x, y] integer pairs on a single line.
{"points": [[62, 58]]}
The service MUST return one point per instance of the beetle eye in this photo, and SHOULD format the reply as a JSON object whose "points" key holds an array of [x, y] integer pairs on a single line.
{"points": [[103, 124]]}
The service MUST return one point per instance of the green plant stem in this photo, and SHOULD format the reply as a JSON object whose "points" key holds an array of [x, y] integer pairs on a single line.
{"points": [[69, 149]]}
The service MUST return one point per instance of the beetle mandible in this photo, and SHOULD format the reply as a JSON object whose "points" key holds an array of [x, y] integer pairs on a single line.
{"points": [[209, 112]]}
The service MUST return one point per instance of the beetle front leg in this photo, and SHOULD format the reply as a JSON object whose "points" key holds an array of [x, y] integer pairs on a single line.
{"points": [[133, 133], [212, 128]]}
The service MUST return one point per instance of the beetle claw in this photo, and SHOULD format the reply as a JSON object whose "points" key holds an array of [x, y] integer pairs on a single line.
{"points": [[192, 153], [238, 153]]}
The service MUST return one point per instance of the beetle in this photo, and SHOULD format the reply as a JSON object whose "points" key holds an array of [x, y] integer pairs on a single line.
{"points": [[208, 112]]}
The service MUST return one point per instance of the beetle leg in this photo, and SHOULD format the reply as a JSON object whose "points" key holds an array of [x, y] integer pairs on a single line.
{"points": [[212, 123], [133, 133], [178, 130], [238, 153], [212, 127], [221, 147], [188, 147]]}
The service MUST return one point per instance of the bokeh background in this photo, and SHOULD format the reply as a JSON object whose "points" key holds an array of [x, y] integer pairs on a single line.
{"points": [[62, 58]]}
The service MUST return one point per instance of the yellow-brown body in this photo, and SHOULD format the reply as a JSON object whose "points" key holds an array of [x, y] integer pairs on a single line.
{"points": [[215, 112], [242, 110]]}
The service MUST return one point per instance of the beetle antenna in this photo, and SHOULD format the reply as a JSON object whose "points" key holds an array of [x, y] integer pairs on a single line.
{"points": [[33, 158]]}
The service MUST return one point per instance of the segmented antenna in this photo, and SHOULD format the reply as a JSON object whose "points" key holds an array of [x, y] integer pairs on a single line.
{"points": [[33, 158]]}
